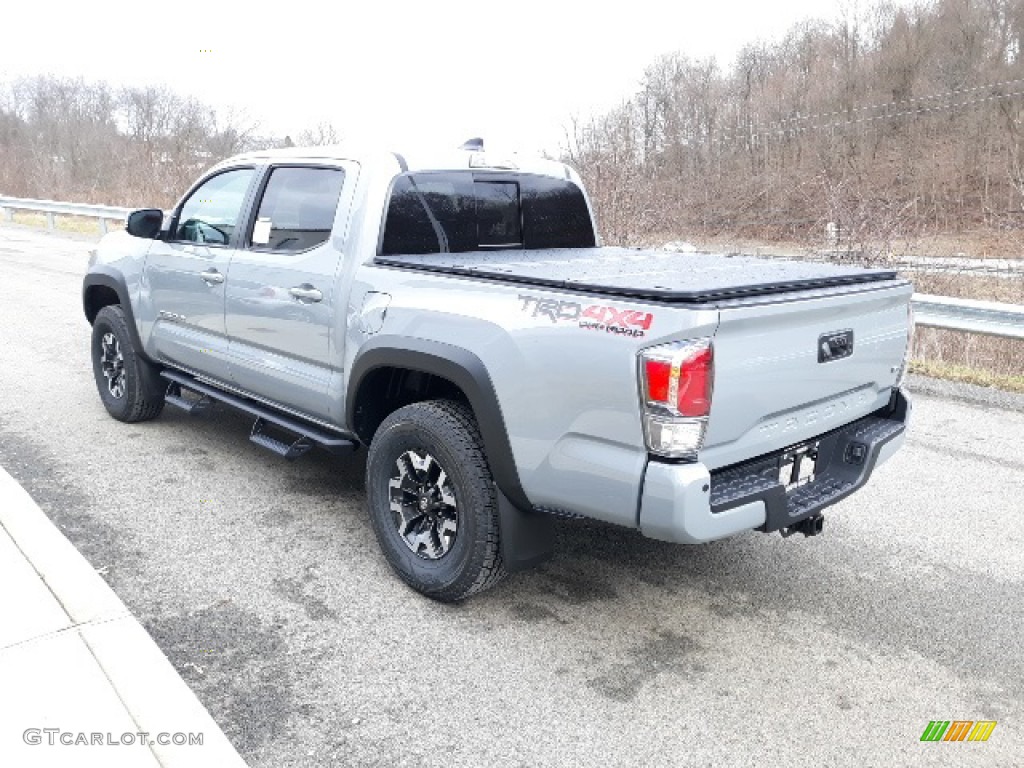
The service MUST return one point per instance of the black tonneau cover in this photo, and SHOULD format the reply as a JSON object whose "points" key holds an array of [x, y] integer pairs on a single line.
{"points": [[645, 274]]}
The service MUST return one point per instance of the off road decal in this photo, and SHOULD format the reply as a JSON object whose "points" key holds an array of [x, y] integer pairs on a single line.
{"points": [[591, 317]]}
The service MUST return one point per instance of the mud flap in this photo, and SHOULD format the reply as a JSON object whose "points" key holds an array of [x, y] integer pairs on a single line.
{"points": [[527, 538]]}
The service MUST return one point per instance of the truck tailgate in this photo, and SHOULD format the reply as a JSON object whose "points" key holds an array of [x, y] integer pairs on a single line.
{"points": [[784, 374]]}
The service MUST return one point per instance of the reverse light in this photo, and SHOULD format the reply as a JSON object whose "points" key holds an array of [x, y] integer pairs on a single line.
{"points": [[676, 384]]}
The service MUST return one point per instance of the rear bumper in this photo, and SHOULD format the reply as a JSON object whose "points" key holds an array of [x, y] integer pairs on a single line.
{"points": [[686, 503]]}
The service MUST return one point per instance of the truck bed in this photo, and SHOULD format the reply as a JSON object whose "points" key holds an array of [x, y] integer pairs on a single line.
{"points": [[685, 278]]}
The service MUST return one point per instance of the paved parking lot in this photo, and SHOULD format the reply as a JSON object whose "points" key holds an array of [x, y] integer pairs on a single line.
{"points": [[262, 582]]}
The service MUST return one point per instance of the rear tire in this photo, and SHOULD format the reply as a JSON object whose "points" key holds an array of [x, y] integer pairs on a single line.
{"points": [[433, 502], [128, 385]]}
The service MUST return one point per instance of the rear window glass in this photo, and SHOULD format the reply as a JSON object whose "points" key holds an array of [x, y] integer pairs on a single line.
{"points": [[498, 215], [465, 211]]}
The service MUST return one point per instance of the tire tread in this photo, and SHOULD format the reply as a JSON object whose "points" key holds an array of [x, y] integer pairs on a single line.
{"points": [[455, 423], [146, 402]]}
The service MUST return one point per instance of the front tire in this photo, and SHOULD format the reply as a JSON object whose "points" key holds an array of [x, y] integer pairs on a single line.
{"points": [[128, 385], [433, 502]]}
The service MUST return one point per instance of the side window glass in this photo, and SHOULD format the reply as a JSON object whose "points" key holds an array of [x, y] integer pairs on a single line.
{"points": [[297, 209], [211, 213]]}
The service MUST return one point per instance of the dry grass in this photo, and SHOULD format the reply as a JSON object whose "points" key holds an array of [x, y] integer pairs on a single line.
{"points": [[79, 225], [985, 360], [981, 243], [978, 243], [981, 378], [963, 286]]}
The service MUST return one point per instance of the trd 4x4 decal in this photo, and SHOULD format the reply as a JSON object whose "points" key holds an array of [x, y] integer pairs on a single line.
{"points": [[592, 317]]}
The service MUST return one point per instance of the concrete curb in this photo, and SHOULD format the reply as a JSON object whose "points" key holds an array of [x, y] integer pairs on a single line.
{"points": [[148, 686]]}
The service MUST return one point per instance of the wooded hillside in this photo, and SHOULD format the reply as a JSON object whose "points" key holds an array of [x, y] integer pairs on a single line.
{"points": [[892, 123], [69, 139]]}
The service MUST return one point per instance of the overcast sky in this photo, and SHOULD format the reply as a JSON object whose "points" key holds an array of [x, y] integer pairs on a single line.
{"points": [[402, 73]]}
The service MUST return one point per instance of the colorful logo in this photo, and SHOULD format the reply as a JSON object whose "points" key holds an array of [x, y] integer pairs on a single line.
{"points": [[593, 317], [958, 730]]}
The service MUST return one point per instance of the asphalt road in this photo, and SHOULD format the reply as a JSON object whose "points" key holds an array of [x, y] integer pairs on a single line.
{"points": [[262, 582]]}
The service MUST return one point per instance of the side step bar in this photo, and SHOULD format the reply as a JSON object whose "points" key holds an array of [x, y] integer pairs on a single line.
{"points": [[175, 398], [307, 434], [290, 451]]}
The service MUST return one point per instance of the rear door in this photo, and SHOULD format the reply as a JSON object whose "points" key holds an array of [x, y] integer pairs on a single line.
{"points": [[789, 368], [280, 302], [186, 270]]}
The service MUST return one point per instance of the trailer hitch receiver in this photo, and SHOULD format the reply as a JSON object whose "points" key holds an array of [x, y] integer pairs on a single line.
{"points": [[809, 526]]}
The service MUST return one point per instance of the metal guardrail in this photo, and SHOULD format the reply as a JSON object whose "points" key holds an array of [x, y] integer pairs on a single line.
{"points": [[102, 213], [988, 317]]}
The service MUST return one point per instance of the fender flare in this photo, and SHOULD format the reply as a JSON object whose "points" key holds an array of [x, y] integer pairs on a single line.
{"points": [[110, 278], [467, 372], [527, 537]]}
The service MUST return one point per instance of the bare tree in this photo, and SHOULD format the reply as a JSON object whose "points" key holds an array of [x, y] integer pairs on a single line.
{"points": [[319, 135], [896, 118], [71, 139]]}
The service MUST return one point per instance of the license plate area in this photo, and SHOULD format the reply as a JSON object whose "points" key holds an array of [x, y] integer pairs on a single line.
{"points": [[797, 466]]}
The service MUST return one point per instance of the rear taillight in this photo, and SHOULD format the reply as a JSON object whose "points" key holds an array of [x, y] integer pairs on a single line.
{"points": [[676, 384], [677, 377]]}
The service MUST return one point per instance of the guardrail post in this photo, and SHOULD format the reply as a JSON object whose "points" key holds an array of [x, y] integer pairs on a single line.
{"points": [[50, 224], [103, 226], [8, 214]]}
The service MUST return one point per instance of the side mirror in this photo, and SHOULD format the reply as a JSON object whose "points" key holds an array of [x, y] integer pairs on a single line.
{"points": [[145, 223]]}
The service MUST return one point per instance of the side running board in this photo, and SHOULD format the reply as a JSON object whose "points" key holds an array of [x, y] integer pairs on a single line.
{"points": [[303, 434]]}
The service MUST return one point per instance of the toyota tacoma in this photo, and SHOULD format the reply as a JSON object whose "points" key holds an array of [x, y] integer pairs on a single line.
{"points": [[455, 315]]}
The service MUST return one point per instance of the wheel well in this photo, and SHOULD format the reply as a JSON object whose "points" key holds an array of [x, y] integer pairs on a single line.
{"points": [[96, 298], [384, 390]]}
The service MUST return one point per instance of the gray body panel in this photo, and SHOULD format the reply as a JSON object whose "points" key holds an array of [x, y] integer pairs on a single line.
{"points": [[279, 347], [187, 313], [568, 396], [567, 391]]}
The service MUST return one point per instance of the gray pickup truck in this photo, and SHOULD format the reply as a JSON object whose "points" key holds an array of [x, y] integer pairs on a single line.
{"points": [[456, 315]]}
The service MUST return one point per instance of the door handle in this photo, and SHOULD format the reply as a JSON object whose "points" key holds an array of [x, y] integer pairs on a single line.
{"points": [[306, 293], [212, 277]]}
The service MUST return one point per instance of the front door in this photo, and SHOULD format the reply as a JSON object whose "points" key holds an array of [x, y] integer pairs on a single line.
{"points": [[280, 303], [185, 274]]}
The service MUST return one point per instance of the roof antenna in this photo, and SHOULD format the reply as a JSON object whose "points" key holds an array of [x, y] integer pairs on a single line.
{"points": [[473, 145]]}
